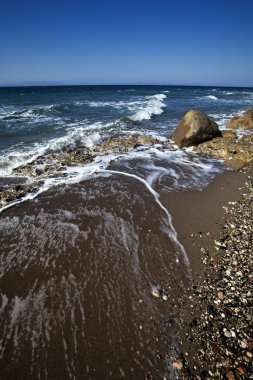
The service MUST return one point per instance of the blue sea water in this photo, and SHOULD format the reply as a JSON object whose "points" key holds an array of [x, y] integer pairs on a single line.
{"points": [[38, 120]]}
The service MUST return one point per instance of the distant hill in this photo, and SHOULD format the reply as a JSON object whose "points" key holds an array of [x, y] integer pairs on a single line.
{"points": [[31, 83]]}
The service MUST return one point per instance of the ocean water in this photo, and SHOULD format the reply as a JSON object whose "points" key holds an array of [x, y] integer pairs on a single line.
{"points": [[94, 280], [35, 121], [39, 120]]}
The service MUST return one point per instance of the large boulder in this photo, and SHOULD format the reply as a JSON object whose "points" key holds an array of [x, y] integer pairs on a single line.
{"points": [[242, 122], [195, 128]]}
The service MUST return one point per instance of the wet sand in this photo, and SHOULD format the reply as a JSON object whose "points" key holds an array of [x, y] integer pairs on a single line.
{"points": [[199, 214], [92, 284], [81, 268]]}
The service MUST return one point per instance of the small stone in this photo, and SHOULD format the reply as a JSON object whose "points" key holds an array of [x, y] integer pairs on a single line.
{"points": [[230, 375], [228, 334], [156, 292], [165, 298], [249, 354], [242, 370], [220, 294], [178, 364], [243, 344]]}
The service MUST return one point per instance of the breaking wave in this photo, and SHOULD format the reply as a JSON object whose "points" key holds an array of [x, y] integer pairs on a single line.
{"points": [[78, 135], [209, 97], [153, 105], [12, 113]]}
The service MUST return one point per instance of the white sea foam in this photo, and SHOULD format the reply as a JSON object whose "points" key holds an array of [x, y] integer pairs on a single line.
{"points": [[143, 108], [36, 112], [153, 105], [79, 134], [209, 97], [222, 118], [184, 170], [228, 93], [172, 231]]}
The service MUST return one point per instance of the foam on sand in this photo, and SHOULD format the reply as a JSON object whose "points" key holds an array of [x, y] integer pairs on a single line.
{"points": [[172, 231]]}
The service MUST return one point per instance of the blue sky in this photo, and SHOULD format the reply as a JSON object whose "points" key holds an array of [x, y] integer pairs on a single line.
{"points": [[205, 42]]}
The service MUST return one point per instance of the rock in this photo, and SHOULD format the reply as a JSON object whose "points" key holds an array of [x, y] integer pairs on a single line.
{"points": [[230, 375], [220, 294], [236, 163], [243, 344], [147, 140], [228, 134], [195, 128], [178, 364], [228, 334], [156, 292], [242, 122], [235, 153], [242, 370]]}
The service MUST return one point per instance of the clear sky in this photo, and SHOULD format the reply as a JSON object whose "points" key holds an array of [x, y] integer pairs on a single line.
{"points": [[206, 42]]}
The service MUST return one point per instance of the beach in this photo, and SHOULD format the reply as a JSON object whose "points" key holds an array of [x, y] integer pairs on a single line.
{"points": [[217, 341], [116, 244], [153, 298]]}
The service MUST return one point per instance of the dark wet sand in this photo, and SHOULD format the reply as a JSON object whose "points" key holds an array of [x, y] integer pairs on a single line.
{"points": [[198, 215], [78, 265]]}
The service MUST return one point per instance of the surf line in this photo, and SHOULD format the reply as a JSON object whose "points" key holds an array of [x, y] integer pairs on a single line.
{"points": [[172, 232]]}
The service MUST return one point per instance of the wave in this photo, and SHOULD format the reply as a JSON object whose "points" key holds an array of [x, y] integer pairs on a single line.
{"points": [[153, 105], [10, 113], [222, 118], [87, 135], [114, 104], [143, 109], [228, 93], [79, 134], [209, 97]]}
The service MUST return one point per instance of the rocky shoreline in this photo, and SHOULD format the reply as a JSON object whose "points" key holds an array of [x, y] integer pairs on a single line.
{"points": [[55, 165], [218, 337], [235, 150]]}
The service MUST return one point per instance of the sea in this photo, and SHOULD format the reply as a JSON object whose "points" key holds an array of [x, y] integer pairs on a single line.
{"points": [[93, 276]]}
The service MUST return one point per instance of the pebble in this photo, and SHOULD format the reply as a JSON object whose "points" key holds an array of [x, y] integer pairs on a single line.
{"points": [[178, 364], [230, 375], [242, 370], [228, 334], [220, 294], [223, 333], [243, 344], [156, 292]]}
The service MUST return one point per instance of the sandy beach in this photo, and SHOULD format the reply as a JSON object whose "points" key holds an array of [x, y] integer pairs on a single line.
{"points": [[124, 256], [217, 232], [132, 307]]}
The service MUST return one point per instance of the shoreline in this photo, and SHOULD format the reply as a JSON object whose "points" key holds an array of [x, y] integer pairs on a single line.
{"points": [[170, 322], [217, 340]]}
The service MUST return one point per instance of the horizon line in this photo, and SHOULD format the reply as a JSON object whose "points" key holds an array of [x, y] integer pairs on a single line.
{"points": [[58, 84]]}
